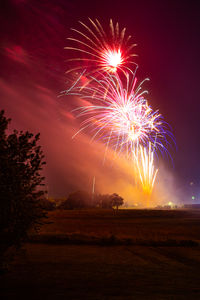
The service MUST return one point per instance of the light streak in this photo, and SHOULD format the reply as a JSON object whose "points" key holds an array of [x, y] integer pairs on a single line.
{"points": [[144, 161]]}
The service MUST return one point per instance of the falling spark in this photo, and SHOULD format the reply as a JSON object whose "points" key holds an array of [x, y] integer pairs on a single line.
{"points": [[144, 160]]}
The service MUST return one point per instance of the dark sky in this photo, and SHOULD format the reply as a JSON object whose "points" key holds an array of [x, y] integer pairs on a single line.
{"points": [[32, 66]]}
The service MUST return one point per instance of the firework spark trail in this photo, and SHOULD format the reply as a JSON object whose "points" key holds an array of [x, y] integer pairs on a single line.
{"points": [[100, 51], [118, 113], [144, 161]]}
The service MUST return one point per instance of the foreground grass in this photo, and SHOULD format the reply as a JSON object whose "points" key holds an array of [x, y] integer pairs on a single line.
{"points": [[45, 271], [93, 254]]}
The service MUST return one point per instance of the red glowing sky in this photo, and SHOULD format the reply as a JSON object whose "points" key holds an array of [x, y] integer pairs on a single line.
{"points": [[33, 63]]}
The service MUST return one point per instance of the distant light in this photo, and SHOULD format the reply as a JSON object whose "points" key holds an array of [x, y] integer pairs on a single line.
{"points": [[193, 197]]}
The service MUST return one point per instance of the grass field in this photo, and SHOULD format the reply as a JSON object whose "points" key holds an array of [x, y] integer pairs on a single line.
{"points": [[94, 254], [142, 225]]}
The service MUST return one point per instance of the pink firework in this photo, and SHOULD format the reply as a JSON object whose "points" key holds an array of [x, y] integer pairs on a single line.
{"points": [[117, 113]]}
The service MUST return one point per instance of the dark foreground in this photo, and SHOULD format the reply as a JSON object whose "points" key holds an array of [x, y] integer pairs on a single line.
{"points": [[88, 271]]}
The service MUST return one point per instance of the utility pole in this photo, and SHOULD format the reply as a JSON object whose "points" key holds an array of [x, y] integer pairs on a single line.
{"points": [[93, 188]]}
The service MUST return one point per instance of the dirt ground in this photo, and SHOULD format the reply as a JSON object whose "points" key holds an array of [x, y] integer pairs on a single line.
{"points": [[67, 271]]}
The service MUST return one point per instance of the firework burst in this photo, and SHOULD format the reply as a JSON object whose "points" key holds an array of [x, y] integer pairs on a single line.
{"points": [[99, 51], [118, 113]]}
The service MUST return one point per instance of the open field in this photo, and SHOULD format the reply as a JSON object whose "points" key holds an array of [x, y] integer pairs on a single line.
{"points": [[157, 225], [67, 261]]}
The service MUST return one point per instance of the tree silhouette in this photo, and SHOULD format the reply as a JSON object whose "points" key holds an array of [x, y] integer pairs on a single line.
{"points": [[104, 201], [77, 200], [21, 161], [116, 200], [109, 201]]}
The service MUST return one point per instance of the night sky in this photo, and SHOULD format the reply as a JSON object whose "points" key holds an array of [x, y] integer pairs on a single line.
{"points": [[32, 74]]}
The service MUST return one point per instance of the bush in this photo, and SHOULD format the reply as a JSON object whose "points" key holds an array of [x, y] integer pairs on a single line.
{"points": [[48, 205]]}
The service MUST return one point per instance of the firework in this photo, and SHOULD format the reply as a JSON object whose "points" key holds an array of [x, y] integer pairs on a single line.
{"points": [[118, 113], [115, 109], [99, 51], [144, 162]]}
